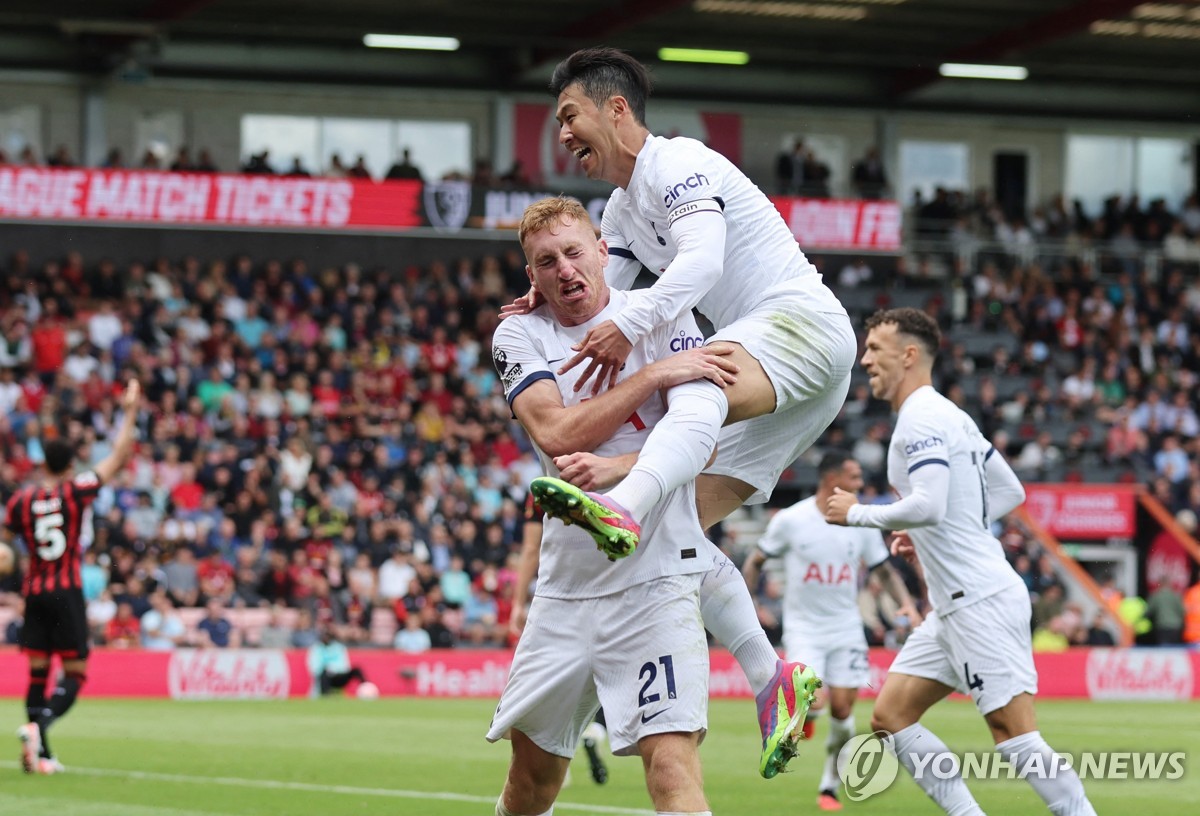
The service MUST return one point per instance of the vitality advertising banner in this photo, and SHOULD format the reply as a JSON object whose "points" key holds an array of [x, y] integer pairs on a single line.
{"points": [[263, 674], [1079, 512]]}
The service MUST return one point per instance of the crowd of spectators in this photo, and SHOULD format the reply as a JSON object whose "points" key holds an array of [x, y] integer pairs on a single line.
{"points": [[331, 440], [335, 441], [1117, 236]]}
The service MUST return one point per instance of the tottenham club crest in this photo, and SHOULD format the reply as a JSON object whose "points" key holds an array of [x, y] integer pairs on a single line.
{"points": [[447, 204]]}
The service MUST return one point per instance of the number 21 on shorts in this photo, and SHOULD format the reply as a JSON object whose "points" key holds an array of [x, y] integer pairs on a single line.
{"points": [[649, 675]]}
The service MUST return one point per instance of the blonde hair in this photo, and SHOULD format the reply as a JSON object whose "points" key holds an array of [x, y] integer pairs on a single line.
{"points": [[550, 212]]}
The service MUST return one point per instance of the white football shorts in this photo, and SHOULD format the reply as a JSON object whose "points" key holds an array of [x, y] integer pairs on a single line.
{"points": [[983, 649], [844, 665], [642, 653], [808, 350]]}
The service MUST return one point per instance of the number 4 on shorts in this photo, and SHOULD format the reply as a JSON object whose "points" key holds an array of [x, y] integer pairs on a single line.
{"points": [[973, 682]]}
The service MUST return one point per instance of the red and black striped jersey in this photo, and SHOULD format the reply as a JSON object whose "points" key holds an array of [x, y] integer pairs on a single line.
{"points": [[49, 519], [533, 512]]}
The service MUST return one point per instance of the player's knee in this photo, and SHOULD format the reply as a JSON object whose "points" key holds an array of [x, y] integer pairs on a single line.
{"points": [[672, 765], [841, 710], [884, 718]]}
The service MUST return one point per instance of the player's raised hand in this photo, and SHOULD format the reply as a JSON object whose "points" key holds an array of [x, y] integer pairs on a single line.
{"points": [[702, 363], [525, 304], [132, 396], [607, 347], [837, 507], [587, 471]]}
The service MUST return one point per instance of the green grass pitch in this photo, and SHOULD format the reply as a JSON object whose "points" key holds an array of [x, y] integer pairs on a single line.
{"points": [[428, 758]]}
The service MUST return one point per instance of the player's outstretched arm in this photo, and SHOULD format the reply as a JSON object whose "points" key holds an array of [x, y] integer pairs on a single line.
{"points": [[924, 507], [700, 238], [123, 445]]}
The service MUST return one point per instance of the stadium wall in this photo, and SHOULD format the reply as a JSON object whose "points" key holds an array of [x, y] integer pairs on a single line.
{"points": [[192, 674], [211, 114]]}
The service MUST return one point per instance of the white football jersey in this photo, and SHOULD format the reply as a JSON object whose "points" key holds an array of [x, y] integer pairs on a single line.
{"points": [[528, 348], [821, 568], [674, 178], [962, 560]]}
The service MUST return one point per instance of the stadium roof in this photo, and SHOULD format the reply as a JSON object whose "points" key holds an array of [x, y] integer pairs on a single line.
{"points": [[1106, 58]]}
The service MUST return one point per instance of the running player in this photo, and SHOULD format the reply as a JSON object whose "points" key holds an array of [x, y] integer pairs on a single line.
{"points": [[952, 483], [718, 244], [49, 517], [821, 621]]}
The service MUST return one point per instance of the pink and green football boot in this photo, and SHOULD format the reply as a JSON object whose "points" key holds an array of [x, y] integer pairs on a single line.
{"points": [[614, 529]]}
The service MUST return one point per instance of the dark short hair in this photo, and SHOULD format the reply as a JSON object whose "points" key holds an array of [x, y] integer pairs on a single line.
{"points": [[603, 73], [913, 322], [59, 455], [832, 462]]}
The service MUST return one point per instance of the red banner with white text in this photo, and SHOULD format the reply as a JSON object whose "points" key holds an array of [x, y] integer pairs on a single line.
{"points": [[263, 674], [136, 197], [1082, 512], [829, 223]]}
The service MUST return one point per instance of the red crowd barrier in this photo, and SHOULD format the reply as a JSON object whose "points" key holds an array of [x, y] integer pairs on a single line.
{"points": [[1095, 674]]}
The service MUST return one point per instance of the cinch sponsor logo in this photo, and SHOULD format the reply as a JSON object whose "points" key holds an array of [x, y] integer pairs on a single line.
{"points": [[693, 181], [924, 444], [683, 342]]}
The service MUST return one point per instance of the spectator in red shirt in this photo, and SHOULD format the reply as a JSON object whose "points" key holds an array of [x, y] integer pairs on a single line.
{"points": [[216, 577], [49, 338], [124, 631], [188, 494], [439, 354]]}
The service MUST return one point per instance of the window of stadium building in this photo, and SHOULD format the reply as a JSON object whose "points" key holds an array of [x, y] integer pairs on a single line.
{"points": [[333, 145], [925, 166], [1151, 167]]}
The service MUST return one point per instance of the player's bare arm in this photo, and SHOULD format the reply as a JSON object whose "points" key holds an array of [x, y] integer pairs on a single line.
{"points": [[893, 584], [752, 568], [110, 465], [559, 430], [527, 567]]}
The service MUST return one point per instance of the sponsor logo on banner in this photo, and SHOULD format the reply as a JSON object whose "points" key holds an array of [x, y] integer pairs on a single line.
{"points": [[436, 679], [203, 674], [503, 209], [1070, 512], [447, 204], [1167, 563], [1139, 674]]}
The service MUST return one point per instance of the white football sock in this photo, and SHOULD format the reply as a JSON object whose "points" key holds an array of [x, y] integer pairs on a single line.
{"points": [[1047, 773], [728, 612], [677, 449], [839, 732], [501, 810], [917, 748]]}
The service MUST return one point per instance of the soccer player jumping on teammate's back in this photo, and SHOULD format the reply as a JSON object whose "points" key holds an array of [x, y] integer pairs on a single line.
{"points": [[716, 243], [49, 516]]}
